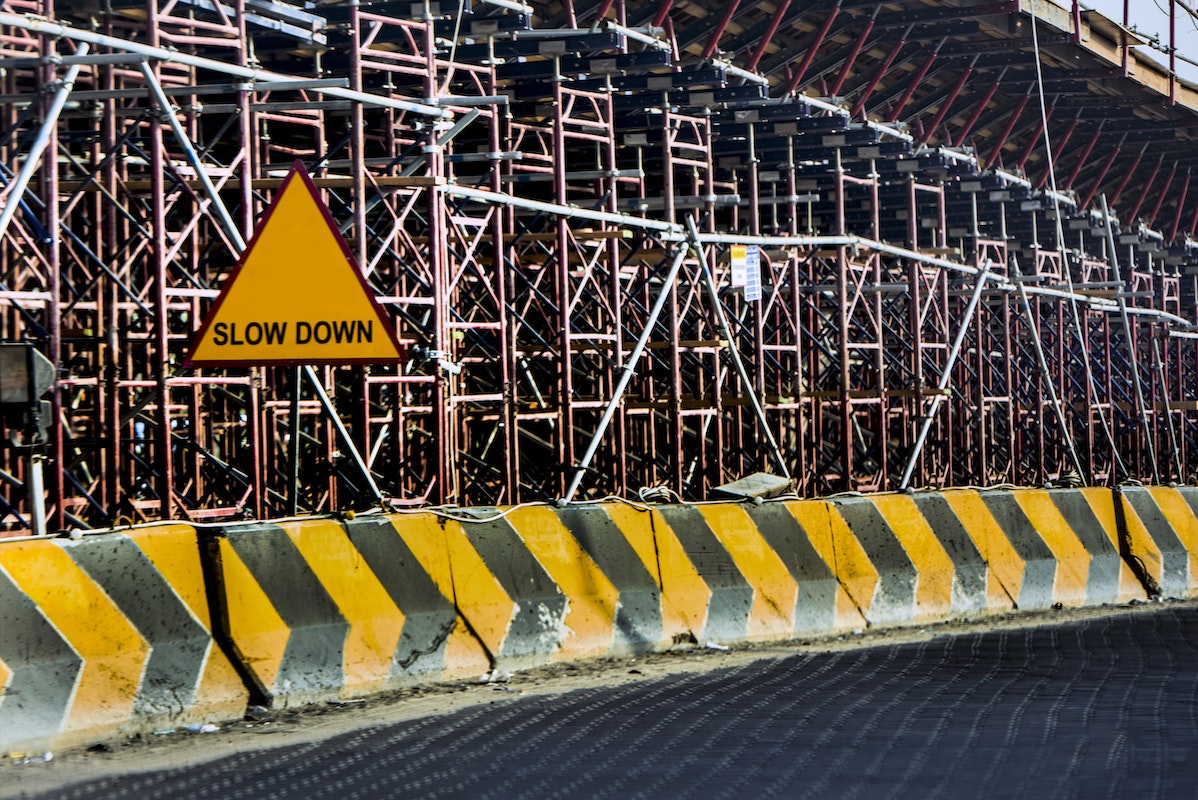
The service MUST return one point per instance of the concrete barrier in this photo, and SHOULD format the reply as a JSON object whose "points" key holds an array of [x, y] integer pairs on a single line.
{"points": [[1091, 517], [620, 541], [915, 574], [1067, 541], [504, 593], [316, 610], [839, 550], [702, 578], [968, 533], [108, 635], [408, 556], [800, 534], [112, 633], [1041, 579], [1162, 537]]}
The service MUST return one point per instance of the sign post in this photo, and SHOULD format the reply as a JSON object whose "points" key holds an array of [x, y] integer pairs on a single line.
{"points": [[26, 375]]}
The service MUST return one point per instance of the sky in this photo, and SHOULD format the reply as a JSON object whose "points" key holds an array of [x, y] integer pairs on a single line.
{"points": [[1152, 17]]}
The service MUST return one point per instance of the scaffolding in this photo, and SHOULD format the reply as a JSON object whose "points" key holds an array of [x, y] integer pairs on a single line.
{"points": [[551, 202]]}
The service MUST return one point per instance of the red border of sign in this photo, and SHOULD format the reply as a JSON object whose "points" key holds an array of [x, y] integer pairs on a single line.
{"points": [[297, 168]]}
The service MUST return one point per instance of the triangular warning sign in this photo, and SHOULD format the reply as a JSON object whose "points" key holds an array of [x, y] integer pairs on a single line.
{"points": [[296, 296]]}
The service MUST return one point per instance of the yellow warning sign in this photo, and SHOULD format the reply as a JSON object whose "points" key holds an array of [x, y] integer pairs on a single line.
{"points": [[296, 296]]}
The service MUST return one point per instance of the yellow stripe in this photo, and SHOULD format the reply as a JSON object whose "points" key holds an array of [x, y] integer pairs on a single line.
{"points": [[934, 589], [258, 632], [174, 552], [480, 597], [681, 585], [423, 535], [638, 528], [832, 538], [374, 620], [1073, 560], [1102, 503], [775, 591], [848, 615], [5, 677], [1181, 517], [593, 598], [1004, 566], [114, 653], [1141, 544]]}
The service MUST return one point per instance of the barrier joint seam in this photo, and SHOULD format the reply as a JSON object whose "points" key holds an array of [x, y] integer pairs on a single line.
{"points": [[1138, 568], [218, 614], [492, 659]]}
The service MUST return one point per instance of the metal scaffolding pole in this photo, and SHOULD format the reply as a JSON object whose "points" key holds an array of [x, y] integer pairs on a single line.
{"points": [[627, 371], [16, 189], [745, 381]]}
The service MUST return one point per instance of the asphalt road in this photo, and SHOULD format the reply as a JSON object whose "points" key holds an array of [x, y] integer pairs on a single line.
{"points": [[1096, 708]]}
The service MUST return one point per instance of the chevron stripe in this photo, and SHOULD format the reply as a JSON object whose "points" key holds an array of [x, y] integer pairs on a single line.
{"points": [[178, 643], [274, 598], [114, 653], [821, 604], [970, 583], [42, 672], [1073, 560], [837, 547], [174, 552], [1004, 566], [534, 625], [1180, 507], [592, 598], [1109, 579], [433, 640], [374, 621], [775, 591], [729, 596], [647, 533], [935, 571], [115, 644], [895, 596], [1163, 536], [637, 622], [1037, 579]]}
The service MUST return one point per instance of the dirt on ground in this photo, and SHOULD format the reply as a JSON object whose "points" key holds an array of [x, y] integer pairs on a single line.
{"points": [[36, 773]]}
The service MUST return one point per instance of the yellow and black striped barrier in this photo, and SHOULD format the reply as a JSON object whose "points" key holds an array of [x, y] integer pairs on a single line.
{"points": [[1162, 536], [117, 632], [321, 610], [108, 635], [1067, 540]]}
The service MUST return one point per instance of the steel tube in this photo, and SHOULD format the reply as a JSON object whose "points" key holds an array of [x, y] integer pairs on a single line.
{"points": [[16, 189], [167, 112], [946, 374], [627, 370], [746, 381], [55, 29]]}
